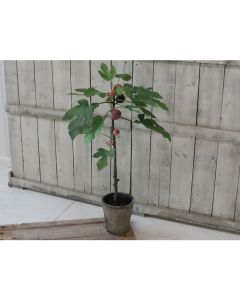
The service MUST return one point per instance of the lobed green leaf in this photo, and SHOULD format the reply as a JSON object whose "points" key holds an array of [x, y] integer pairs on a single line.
{"points": [[125, 77]]}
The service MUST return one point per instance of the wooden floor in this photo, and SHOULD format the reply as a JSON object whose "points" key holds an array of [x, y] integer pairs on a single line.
{"points": [[88, 229]]}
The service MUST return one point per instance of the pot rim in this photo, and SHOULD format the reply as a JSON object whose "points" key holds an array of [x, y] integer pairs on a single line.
{"points": [[120, 206]]}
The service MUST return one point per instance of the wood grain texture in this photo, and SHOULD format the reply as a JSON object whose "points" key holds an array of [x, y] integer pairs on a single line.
{"points": [[209, 114], [80, 78], [14, 121], [29, 125], [4, 146], [64, 145], [160, 162], [88, 229], [228, 162], [186, 96], [46, 128], [142, 75], [208, 134]]}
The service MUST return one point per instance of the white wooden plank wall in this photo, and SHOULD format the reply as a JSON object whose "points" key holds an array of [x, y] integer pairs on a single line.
{"points": [[227, 174], [161, 149], [209, 114], [29, 124], [80, 78], [185, 110], [64, 145], [14, 121], [46, 128], [197, 174], [4, 140]]}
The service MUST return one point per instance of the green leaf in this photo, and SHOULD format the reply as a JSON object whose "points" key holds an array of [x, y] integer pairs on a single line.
{"points": [[129, 91], [153, 125], [104, 68], [94, 105], [104, 75], [148, 100], [113, 71], [119, 90], [111, 153], [104, 155], [81, 117], [71, 113], [89, 92], [132, 107], [125, 77], [97, 125], [148, 113], [102, 163]]}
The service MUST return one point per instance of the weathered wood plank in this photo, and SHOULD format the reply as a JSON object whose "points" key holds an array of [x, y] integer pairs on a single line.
{"points": [[160, 162], [209, 113], [89, 229], [14, 121], [186, 217], [80, 78], [142, 75], [228, 162], [4, 146], [29, 124], [208, 134], [186, 95], [101, 180], [46, 128], [64, 145], [225, 194]]}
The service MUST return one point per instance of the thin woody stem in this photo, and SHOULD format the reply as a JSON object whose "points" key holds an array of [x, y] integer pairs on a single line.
{"points": [[115, 183], [105, 135]]}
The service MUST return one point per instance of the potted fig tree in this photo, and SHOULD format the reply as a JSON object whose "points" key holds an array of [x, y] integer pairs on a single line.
{"points": [[84, 119]]}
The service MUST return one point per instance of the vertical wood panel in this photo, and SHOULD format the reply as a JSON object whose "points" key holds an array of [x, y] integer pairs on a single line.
{"points": [[100, 179], [29, 124], [80, 78], [228, 155], [64, 145], [46, 130], [4, 146], [14, 122], [209, 113], [142, 75], [160, 163], [186, 95]]}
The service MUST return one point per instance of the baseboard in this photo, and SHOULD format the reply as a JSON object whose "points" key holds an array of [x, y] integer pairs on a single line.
{"points": [[164, 213]]}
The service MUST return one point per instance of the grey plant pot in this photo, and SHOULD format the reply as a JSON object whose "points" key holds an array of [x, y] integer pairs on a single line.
{"points": [[117, 215]]}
